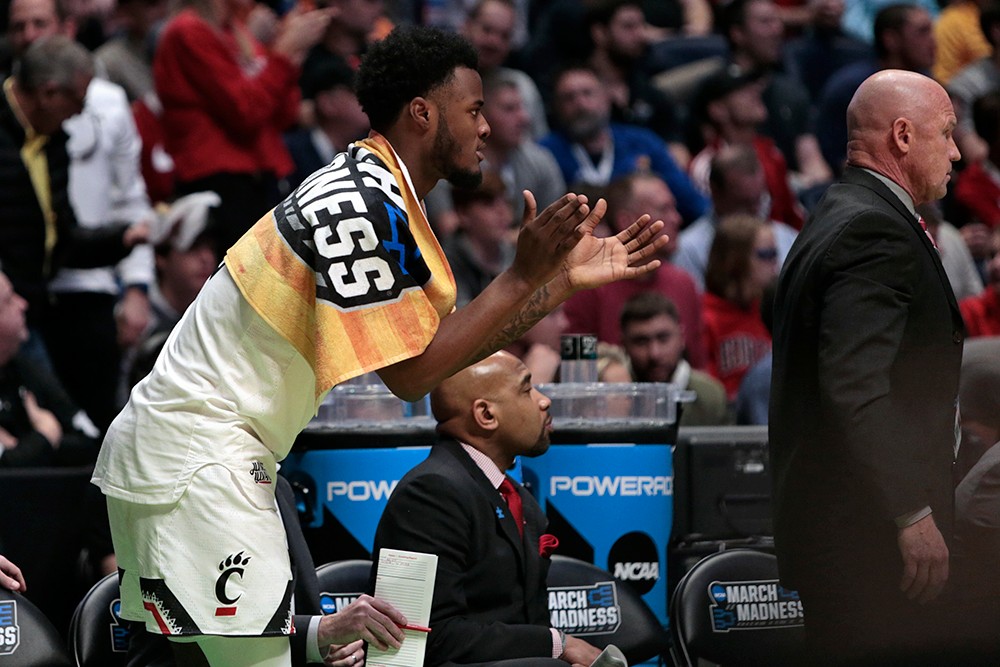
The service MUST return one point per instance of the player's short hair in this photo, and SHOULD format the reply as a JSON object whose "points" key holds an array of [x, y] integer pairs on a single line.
{"points": [[410, 62]]}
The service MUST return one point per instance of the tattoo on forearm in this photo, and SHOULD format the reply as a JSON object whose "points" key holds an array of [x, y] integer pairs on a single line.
{"points": [[535, 309]]}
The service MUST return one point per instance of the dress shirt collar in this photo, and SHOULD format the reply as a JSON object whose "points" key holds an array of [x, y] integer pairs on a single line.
{"points": [[897, 190], [8, 91], [485, 463]]}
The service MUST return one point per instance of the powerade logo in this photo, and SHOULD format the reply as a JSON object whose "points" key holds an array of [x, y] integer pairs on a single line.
{"points": [[753, 605], [619, 485], [585, 610], [10, 635], [360, 490], [331, 603]]}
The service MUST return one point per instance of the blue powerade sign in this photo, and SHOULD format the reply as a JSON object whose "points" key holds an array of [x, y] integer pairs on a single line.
{"points": [[611, 505], [614, 504]]}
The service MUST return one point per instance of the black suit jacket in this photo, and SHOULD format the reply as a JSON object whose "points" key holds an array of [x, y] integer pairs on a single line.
{"points": [[490, 601], [151, 650], [867, 351]]}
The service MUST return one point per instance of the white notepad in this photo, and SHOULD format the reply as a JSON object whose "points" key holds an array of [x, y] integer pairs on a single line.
{"points": [[405, 579]]}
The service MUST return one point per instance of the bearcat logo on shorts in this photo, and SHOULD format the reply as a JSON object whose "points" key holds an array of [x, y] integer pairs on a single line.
{"points": [[348, 221], [233, 566], [753, 605], [10, 635], [585, 610]]}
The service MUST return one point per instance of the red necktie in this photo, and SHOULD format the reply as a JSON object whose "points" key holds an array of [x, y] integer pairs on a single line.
{"points": [[923, 226], [513, 499]]}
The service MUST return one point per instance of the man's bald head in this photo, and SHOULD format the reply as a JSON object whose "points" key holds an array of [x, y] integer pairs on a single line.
{"points": [[899, 124], [493, 407], [884, 96], [451, 401]]}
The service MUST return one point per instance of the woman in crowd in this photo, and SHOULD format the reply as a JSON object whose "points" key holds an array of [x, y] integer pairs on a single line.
{"points": [[226, 100], [741, 263]]}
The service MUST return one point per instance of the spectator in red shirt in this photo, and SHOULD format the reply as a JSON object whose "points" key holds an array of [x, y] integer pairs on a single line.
{"points": [[597, 310], [977, 188], [226, 100], [742, 262], [982, 312], [728, 109]]}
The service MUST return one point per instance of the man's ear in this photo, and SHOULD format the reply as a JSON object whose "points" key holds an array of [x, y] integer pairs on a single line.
{"points": [[484, 415], [902, 134], [421, 112]]}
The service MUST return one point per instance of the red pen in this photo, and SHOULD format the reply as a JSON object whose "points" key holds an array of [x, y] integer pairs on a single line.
{"points": [[418, 628]]}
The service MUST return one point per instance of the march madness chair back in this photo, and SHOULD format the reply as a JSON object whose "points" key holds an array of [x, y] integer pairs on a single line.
{"points": [[627, 621], [730, 609], [27, 637], [98, 636], [341, 583]]}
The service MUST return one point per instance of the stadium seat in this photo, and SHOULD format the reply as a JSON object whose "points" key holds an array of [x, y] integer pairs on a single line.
{"points": [[730, 609], [98, 637], [634, 628], [27, 637], [341, 583]]}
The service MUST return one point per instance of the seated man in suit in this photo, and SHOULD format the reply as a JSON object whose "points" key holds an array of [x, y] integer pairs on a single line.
{"points": [[490, 601]]}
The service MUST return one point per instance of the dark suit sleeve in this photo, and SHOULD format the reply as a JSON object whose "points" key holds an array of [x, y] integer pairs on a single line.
{"points": [[432, 514], [298, 640], [874, 267]]}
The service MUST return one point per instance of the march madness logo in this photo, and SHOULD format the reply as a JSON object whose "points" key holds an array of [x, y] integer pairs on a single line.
{"points": [[119, 630], [753, 605], [10, 635], [585, 610]]}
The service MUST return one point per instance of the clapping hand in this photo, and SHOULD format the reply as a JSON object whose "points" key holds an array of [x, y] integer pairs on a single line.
{"points": [[597, 261]]}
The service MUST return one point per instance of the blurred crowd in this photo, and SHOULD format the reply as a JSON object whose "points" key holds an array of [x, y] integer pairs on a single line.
{"points": [[140, 138]]}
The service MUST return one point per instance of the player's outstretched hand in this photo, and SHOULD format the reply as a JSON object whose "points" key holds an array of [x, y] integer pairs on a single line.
{"points": [[629, 254], [546, 240], [371, 619]]}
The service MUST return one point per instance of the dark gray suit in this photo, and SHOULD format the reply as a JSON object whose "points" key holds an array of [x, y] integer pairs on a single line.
{"points": [[867, 351], [490, 601]]}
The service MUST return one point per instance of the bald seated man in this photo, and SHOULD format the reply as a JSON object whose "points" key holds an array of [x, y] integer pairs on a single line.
{"points": [[490, 602], [863, 417]]}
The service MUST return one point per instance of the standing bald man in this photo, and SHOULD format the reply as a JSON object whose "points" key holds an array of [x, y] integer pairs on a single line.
{"points": [[490, 600], [863, 424]]}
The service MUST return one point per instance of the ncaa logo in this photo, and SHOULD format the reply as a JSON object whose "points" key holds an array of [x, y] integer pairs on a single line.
{"points": [[10, 635], [331, 603], [635, 560]]}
